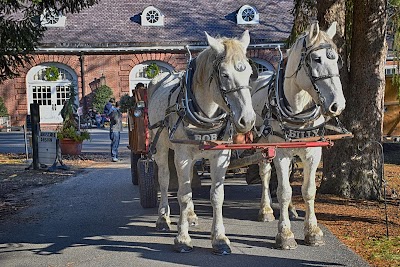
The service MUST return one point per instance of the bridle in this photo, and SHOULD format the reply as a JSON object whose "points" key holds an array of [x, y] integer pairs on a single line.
{"points": [[190, 102], [305, 61], [280, 108]]}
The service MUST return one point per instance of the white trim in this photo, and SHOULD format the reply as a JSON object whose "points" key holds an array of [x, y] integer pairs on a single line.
{"points": [[144, 48]]}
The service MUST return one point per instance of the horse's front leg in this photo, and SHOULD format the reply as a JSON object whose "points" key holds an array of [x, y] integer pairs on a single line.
{"points": [[313, 235], [218, 165], [163, 222], [184, 165], [266, 213], [285, 237]]}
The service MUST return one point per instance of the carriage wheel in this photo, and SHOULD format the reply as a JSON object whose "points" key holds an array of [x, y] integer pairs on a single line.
{"points": [[134, 169], [147, 183]]}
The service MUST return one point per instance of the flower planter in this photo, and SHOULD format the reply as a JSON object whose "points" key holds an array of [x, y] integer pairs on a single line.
{"points": [[70, 147]]}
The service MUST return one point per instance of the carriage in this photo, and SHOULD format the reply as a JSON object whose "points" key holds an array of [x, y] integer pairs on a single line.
{"points": [[175, 121]]}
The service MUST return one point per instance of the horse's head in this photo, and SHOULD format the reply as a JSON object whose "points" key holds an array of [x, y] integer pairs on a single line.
{"points": [[231, 72], [315, 63]]}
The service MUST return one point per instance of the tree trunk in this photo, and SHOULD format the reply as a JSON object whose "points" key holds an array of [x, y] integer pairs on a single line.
{"points": [[353, 168]]}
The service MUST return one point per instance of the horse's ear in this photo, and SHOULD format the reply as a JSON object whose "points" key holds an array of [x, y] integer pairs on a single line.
{"points": [[245, 39], [215, 44], [332, 30], [313, 34]]}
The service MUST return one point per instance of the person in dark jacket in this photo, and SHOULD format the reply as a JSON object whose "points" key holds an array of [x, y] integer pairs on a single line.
{"points": [[115, 130], [109, 106]]}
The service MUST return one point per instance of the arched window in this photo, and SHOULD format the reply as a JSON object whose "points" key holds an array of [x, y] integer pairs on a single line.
{"points": [[263, 65], [48, 91], [138, 73]]}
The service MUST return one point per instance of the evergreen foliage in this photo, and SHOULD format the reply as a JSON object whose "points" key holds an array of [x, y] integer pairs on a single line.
{"points": [[3, 109], [101, 97], [126, 102], [21, 31], [70, 129]]}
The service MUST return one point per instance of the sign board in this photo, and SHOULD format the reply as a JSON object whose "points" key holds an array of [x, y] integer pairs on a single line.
{"points": [[47, 147], [80, 111]]}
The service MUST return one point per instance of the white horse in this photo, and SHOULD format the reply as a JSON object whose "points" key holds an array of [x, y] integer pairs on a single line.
{"points": [[214, 96], [311, 93]]}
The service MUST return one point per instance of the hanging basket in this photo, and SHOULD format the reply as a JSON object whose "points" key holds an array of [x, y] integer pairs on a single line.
{"points": [[152, 70]]}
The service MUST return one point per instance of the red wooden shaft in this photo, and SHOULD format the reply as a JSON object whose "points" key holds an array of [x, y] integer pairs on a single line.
{"points": [[210, 146]]}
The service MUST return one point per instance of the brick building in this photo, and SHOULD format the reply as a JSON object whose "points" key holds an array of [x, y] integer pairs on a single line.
{"points": [[115, 42]]}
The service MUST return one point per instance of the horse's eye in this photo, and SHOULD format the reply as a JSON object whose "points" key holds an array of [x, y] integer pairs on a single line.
{"points": [[317, 59], [225, 75]]}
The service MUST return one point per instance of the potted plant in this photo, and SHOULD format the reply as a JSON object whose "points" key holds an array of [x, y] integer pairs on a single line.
{"points": [[69, 134]]}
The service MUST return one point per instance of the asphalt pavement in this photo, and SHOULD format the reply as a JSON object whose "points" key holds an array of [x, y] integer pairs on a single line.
{"points": [[95, 219]]}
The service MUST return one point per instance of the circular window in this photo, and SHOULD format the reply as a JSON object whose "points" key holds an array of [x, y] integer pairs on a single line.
{"points": [[51, 17], [248, 14], [152, 16]]}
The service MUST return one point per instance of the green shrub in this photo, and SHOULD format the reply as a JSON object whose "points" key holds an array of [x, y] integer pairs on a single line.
{"points": [[101, 97], [3, 109], [72, 133], [69, 129], [126, 102]]}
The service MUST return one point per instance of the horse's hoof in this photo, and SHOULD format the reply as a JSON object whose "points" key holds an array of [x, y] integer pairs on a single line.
{"points": [[183, 248], [314, 240], [162, 225], [193, 221], [221, 249], [267, 217], [285, 243]]}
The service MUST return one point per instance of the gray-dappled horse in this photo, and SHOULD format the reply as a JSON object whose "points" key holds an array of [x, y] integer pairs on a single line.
{"points": [[311, 94], [207, 103]]}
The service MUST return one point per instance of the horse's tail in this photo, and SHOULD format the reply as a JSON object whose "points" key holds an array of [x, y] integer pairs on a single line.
{"points": [[159, 80]]}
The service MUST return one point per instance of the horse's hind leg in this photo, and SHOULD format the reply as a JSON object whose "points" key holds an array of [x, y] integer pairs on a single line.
{"points": [[313, 235], [266, 213], [163, 222], [220, 243], [285, 237], [184, 165]]}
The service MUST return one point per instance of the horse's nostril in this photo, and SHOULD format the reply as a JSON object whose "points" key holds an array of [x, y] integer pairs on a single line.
{"points": [[242, 122], [333, 108]]}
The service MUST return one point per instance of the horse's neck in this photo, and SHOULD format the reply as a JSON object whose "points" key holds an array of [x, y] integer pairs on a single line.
{"points": [[297, 98], [203, 97]]}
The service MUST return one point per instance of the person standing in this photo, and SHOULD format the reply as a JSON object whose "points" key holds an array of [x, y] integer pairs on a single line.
{"points": [[115, 130]]}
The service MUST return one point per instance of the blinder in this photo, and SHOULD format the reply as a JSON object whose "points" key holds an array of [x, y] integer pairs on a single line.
{"points": [[254, 74], [340, 62]]}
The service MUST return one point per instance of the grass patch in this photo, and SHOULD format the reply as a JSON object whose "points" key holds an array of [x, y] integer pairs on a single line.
{"points": [[385, 249]]}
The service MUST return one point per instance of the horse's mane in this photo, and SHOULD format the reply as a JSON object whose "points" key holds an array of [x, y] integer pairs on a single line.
{"points": [[206, 59], [321, 37]]}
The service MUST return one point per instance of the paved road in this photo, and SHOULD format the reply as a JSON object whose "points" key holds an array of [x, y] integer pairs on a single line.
{"points": [[14, 142], [95, 219]]}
